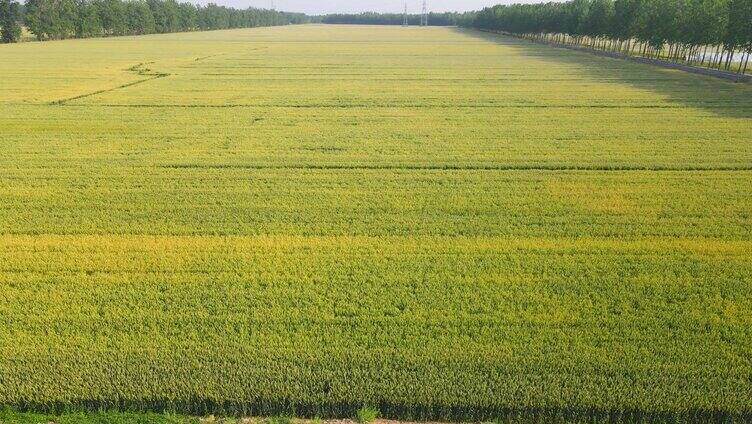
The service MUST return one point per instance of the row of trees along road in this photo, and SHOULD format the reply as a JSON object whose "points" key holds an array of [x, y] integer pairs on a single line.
{"points": [[59, 19], [712, 33]]}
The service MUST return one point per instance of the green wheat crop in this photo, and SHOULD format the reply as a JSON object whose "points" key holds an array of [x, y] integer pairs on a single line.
{"points": [[436, 223]]}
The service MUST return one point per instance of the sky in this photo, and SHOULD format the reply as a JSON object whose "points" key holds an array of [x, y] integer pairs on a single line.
{"points": [[317, 7]]}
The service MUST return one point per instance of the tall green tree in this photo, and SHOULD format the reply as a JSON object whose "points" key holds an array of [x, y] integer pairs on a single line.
{"points": [[139, 18], [739, 34], [188, 16], [657, 22], [112, 16], [51, 19], [88, 23], [578, 14], [39, 18], [624, 21], [10, 15], [599, 18]]}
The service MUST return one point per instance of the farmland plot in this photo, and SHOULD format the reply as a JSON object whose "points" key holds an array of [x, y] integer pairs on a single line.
{"points": [[439, 222]]}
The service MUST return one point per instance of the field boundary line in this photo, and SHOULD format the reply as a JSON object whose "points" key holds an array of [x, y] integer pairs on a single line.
{"points": [[420, 242], [449, 167], [395, 106], [203, 58], [138, 69]]}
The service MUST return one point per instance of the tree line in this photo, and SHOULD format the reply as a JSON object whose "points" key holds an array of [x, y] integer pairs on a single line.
{"points": [[705, 32], [372, 18], [60, 19]]}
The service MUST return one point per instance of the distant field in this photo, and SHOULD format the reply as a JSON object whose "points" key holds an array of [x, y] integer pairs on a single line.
{"points": [[306, 219]]}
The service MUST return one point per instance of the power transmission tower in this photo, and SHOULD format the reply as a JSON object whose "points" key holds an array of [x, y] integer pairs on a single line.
{"points": [[273, 7], [404, 20], [424, 15]]}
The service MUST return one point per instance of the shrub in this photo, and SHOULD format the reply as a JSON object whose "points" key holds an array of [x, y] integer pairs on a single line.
{"points": [[366, 414]]}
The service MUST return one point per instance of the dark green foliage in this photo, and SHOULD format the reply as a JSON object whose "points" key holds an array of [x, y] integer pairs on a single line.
{"points": [[10, 15], [599, 18], [88, 23], [679, 30], [51, 19], [60, 19], [139, 17], [739, 31], [624, 24], [112, 16], [657, 22]]}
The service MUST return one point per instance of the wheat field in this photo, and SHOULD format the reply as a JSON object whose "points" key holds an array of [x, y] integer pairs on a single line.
{"points": [[443, 223]]}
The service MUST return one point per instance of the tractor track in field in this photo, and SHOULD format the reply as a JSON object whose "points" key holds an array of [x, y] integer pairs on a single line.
{"points": [[139, 69], [375, 106], [449, 167]]}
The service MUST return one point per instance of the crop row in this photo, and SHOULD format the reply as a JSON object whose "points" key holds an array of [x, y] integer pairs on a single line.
{"points": [[487, 325], [375, 202]]}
